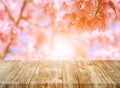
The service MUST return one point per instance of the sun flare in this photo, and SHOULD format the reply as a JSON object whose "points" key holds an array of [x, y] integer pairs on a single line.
{"points": [[63, 49]]}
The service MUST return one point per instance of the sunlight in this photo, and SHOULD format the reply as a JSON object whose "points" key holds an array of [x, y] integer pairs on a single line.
{"points": [[63, 49]]}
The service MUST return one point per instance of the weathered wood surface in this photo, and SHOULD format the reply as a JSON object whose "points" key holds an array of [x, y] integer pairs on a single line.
{"points": [[59, 74]]}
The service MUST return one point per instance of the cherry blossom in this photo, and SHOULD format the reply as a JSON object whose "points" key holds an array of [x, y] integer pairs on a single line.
{"points": [[59, 29]]}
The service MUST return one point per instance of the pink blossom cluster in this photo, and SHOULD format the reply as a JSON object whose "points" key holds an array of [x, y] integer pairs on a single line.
{"points": [[58, 29]]}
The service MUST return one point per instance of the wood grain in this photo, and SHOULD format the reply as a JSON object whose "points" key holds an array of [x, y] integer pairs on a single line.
{"points": [[59, 74], [47, 75], [17, 74], [70, 77], [93, 75]]}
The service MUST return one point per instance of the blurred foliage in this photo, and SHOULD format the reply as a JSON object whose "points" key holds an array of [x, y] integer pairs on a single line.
{"points": [[34, 25]]}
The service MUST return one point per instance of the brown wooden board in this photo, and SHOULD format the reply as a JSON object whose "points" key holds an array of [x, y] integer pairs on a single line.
{"points": [[47, 75], [17, 74], [59, 74]]}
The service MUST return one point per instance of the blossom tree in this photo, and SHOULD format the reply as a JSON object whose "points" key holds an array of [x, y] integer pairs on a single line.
{"points": [[59, 29]]}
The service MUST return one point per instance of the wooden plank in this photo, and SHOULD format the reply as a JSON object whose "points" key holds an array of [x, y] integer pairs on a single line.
{"points": [[84, 74], [47, 75], [5, 68], [92, 75], [2, 62], [60, 74], [70, 77], [19, 74], [112, 70]]}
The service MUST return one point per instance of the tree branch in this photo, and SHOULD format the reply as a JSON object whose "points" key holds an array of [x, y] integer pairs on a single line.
{"points": [[6, 49], [17, 23], [8, 12], [21, 11]]}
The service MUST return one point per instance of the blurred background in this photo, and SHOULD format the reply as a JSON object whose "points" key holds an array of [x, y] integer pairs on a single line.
{"points": [[60, 29]]}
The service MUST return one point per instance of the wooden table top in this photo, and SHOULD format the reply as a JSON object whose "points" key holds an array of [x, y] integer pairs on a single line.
{"points": [[59, 74]]}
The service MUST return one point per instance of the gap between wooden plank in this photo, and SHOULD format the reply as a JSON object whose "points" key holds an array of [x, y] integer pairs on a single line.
{"points": [[47, 75], [6, 68], [70, 78], [20, 76]]}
